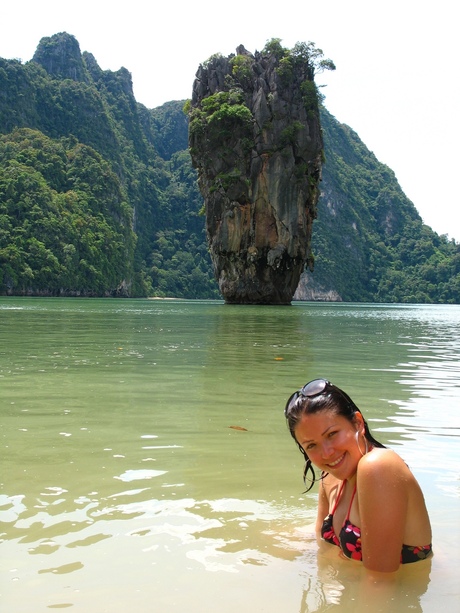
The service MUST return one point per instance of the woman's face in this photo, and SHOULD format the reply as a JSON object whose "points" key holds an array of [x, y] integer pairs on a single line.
{"points": [[330, 442]]}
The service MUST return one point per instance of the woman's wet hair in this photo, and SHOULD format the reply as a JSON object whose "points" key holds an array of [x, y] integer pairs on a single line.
{"points": [[317, 396]]}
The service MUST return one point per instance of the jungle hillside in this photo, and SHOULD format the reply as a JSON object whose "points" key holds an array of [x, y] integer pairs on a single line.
{"points": [[98, 197]]}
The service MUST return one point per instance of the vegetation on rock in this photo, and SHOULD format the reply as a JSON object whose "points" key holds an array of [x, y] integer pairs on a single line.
{"points": [[65, 224], [98, 197], [369, 241], [256, 142]]}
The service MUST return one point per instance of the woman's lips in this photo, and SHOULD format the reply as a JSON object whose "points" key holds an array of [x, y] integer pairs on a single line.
{"points": [[336, 462]]}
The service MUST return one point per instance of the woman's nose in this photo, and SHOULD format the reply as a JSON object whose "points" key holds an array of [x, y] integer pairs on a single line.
{"points": [[327, 450]]}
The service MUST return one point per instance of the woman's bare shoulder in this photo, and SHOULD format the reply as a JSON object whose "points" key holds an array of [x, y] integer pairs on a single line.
{"points": [[383, 464]]}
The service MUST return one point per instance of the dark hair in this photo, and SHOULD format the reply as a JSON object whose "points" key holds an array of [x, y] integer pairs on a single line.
{"points": [[329, 397]]}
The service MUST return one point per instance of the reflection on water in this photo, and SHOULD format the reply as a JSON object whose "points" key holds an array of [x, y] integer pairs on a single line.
{"points": [[146, 460], [335, 586]]}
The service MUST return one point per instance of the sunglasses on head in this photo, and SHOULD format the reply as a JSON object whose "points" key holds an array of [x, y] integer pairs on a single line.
{"points": [[309, 390]]}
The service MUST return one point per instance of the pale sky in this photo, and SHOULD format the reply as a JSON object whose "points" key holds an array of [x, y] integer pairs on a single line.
{"points": [[395, 83]]}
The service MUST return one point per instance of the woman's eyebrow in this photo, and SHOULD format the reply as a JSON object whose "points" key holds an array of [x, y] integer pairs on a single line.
{"points": [[311, 440]]}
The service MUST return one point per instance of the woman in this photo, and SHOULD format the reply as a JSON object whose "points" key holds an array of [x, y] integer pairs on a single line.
{"points": [[370, 504]]}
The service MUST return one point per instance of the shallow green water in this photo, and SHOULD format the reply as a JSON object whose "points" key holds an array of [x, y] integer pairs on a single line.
{"points": [[125, 485]]}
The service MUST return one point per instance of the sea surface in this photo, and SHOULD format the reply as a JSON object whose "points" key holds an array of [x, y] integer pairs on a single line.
{"points": [[146, 465]]}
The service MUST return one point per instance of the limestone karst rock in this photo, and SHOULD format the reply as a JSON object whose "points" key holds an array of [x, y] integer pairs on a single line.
{"points": [[60, 56], [255, 139]]}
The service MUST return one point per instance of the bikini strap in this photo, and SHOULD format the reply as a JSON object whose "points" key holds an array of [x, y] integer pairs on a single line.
{"points": [[339, 495], [351, 502]]}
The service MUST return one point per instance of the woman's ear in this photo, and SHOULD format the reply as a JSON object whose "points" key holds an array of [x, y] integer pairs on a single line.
{"points": [[359, 422]]}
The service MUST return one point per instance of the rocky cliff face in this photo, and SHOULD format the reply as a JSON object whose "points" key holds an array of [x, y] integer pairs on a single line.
{"points": [[61, 58], [256, 142]]}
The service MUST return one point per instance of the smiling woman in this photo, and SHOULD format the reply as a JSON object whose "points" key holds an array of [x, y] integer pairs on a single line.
{"points": [[370, 504]]}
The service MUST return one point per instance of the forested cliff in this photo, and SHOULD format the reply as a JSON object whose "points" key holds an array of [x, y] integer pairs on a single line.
{"points": [[98, 197]]}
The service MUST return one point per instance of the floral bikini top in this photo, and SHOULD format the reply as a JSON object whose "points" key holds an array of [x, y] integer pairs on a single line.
{"points": [[349, 539]]}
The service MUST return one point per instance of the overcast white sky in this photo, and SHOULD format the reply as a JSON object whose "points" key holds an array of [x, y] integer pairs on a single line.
{"points": [[396, 82]]}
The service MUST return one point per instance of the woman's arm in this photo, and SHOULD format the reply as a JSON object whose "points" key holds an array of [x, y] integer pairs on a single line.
{"points": [[383, 494], [323, 506]]}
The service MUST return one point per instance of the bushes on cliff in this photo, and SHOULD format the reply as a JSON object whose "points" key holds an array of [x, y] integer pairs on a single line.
{"points": [[65, 223], [67, 214]]}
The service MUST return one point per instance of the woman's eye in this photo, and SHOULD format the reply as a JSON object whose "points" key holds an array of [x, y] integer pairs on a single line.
{"points": [[331, 434], [310, 446]]}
